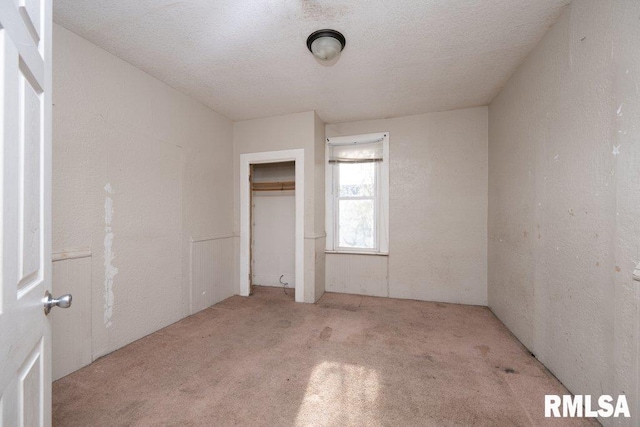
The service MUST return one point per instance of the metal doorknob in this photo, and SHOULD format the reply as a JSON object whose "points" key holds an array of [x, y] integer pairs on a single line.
{"points": [[49, 301]]}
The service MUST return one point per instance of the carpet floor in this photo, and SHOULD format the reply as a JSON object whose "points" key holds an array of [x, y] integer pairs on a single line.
{"points": [[345, 361]]}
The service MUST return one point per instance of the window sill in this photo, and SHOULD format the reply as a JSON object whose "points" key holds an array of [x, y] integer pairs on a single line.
{"points": [[356, 253]]}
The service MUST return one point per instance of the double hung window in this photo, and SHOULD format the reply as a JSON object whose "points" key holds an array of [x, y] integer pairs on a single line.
{"points": [[357, 193]]}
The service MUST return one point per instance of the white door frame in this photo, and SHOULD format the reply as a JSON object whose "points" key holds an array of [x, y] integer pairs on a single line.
{"points": [[245, 227]]}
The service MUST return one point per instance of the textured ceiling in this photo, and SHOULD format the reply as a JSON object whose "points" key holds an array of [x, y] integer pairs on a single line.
{"points": [[248, 58]]}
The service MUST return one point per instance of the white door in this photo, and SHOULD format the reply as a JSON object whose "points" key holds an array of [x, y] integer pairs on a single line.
{"points": [[25, 215]]}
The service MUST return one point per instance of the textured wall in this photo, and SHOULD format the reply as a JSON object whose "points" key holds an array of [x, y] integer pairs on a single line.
{"points": [[212, 277], [71, 340], [274, 238], [625, 55], [319, 234], [437, 205], [139, 170], [564, 201], [358, 274]]}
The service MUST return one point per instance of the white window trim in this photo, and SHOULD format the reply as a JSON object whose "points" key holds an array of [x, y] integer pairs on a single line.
{"points": [[382, 230]]}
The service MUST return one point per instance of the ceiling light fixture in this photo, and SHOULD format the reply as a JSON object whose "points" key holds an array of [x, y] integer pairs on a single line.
{"points": [[326, 44]]}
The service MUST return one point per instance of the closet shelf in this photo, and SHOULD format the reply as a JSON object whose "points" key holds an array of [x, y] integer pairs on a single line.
{"points": [[274, 186]]}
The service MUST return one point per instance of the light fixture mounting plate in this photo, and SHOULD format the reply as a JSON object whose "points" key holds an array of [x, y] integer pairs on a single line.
{"points": [[326, 33]]}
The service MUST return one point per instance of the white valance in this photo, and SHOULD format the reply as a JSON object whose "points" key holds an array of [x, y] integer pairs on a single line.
{"points": [[356, 152]]}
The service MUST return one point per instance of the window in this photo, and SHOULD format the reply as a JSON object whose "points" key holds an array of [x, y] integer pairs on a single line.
{"points": [[357, 193]]}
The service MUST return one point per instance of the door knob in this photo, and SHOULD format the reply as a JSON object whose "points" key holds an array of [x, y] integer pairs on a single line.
{"points": [[49, 301]]}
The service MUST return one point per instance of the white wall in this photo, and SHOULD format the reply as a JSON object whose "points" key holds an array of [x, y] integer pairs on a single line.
{"points": [[71, 331], [139, 171], [564, 201], [319, 235], [437, 211], [358, 274], [274, 227], [292, 131]]}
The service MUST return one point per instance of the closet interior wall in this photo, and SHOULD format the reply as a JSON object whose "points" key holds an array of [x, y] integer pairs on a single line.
{"points": [[273, 224]]}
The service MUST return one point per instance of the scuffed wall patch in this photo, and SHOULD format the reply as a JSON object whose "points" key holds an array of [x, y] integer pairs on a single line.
{"points": [[616, 150], [109, 270]]}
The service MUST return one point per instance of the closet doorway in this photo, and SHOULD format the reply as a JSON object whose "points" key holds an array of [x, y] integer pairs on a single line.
{"points": [[273, 225], [265, 250]]}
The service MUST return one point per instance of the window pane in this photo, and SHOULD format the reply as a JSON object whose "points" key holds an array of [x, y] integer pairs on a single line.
{"points": [[356, 225], [357, 179]]}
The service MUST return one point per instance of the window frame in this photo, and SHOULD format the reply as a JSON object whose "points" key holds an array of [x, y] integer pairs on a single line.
{"points": [[381, 196]]}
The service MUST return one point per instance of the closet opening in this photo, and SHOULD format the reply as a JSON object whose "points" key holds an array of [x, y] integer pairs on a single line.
{"points": [[272, 221], [273, 226]]}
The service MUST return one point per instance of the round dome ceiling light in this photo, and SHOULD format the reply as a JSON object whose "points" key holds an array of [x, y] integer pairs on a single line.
{"points": [[326, 44]]}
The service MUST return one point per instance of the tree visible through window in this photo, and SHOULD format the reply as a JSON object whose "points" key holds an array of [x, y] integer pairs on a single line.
{"points": [[357, 205]]}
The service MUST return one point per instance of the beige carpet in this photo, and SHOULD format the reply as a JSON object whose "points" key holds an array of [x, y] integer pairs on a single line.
{"points": [[347, 360]]}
